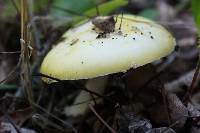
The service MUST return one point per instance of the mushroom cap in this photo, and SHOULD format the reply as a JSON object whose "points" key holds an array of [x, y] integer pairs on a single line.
{"points": [[81, 55]]}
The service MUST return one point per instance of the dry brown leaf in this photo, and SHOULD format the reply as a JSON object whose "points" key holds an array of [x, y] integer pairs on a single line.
{"points": [[177, 112]]}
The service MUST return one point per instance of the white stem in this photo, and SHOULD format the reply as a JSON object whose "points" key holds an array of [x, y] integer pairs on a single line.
{"points": [[95, 85]]}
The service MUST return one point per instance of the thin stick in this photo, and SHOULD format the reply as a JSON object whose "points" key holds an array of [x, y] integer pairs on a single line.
{"points": [[100, 118], [10, 73], [15, 52], [85, 89], [53, 116], [25, 52], [12, 123], [8, 118], [36, 33], [192, 86], [15, 6]]}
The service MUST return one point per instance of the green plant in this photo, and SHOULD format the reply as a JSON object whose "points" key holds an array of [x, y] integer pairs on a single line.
{"points": [[196, 13]]}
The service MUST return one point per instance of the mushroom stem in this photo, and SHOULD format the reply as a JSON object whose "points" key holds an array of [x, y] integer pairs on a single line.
{"points": [[80, 105]]}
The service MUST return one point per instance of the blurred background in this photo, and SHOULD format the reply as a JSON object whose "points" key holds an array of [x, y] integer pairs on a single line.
{"points": [[49, 19]]}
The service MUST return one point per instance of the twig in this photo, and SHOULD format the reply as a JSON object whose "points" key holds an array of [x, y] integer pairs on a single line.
{"points": [[192, 86], [170, 126], [100, 118], [43, 121], [12, 123], [9, 119], [55, 117], [85, 89], [25, 52], [15, 6], [15, 52], [14, 69], [36, 33], [11, 73]]}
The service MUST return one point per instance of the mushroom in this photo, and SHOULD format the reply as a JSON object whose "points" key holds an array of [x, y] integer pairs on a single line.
{"points": [[87, 52]]}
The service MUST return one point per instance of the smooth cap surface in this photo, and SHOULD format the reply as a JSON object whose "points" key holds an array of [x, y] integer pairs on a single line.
{"points": [[81, 55]]}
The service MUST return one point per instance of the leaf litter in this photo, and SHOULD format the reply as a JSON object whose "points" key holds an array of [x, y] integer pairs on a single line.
{"points": [[148, 100]]}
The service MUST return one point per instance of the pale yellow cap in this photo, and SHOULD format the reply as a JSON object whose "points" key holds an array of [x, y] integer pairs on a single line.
{"points": [[81, 55]]}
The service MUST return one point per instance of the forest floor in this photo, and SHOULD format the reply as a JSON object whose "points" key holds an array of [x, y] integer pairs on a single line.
{"points": [[155, 98]]}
